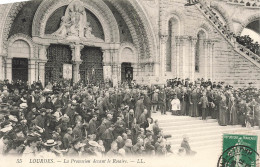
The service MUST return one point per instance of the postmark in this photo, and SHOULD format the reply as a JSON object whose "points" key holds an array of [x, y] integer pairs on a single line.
{"points": [[238, 151], [239, 155]]}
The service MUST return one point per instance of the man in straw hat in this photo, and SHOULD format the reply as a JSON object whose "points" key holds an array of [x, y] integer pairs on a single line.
{"points": [[49, 150]]}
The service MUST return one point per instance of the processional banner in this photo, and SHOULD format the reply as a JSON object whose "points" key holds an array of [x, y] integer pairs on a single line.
{"points": [[67, 71]]}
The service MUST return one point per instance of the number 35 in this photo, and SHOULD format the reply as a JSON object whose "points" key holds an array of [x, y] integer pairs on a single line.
{"points": [[19, 161]]}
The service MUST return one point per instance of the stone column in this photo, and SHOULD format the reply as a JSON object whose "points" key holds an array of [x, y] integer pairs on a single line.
{"points": [[36, 70], [206, 60], [135, 71], [2, 74], [179, 62], [76, 61], [192, 58], [183, 43], [115, 67], [42, 61], [211, 57], [41, 75], [76, 72], [163, 41], [156, 68], [9, 69], [107, 69], [32, 71]]}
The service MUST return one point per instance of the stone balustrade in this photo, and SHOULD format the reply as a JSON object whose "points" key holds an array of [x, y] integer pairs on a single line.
{"points": [[227, 34], [222, 27], [247, 3], [248, 52]]}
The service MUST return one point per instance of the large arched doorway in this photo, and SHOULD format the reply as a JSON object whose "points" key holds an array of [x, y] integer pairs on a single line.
{"points": [[91, 69], [20, 69], [128, 61], [20, 53], [57, 56]]}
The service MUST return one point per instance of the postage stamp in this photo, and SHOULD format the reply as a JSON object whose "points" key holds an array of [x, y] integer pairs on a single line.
{"points": [[239, 150]]}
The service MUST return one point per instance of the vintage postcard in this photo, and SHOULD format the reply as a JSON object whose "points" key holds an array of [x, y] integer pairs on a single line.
{"points": [[130, 83]]}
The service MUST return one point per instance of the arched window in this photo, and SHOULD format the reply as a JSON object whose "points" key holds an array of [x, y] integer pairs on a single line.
{"points": [[173, 31], [200, 51]]}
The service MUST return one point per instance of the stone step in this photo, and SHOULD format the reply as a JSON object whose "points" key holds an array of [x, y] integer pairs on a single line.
{"points": [[201, 143], [216, 148], [196, 138], [187, 126], [199, 129], [205, 137], [194, 133], [179, 123], [171, 118]]}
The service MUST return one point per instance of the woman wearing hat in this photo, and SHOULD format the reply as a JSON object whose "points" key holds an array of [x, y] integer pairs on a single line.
{"points": [[48, 104], [48, 150]]}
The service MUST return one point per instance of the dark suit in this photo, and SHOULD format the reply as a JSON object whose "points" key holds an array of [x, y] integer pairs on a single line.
{"points": [[92, 127]]}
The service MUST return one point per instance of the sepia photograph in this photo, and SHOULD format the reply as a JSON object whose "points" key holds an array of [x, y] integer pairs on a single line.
{"points": [[129, 83]]}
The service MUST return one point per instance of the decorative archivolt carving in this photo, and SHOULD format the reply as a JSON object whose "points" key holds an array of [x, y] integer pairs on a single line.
{"points": [[98, 8], [128, 22], [148, 27], [16, 7], [27, 39], [146, 47]]}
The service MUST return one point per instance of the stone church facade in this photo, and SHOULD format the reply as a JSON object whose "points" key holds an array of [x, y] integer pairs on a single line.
{"points": [[148, 41]]}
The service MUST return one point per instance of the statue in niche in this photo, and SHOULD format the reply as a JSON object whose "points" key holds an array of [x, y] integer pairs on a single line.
{"points": [[74, 23]]}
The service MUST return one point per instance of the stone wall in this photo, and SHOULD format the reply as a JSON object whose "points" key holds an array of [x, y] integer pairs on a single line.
{"points": [[228, 65]]}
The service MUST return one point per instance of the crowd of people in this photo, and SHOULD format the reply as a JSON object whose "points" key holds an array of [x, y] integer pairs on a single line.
{"points": [[218, 100], [249, 44], [61, 119]]}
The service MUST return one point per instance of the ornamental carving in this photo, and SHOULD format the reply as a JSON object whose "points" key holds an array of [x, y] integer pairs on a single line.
{"points": [[16, 7], [74, 23], [98, 8]]}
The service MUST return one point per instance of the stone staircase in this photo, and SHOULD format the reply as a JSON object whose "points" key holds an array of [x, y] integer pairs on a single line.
{"points": [[227, 34], [204, 136]]}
